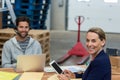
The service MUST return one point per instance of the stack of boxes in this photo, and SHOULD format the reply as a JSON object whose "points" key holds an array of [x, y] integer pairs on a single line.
{"points": [[114, 55], [43, 36], [115, 64], [36, 10]]}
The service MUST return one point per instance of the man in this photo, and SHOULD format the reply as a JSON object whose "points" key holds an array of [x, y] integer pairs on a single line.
{"points": [[20, 44]]}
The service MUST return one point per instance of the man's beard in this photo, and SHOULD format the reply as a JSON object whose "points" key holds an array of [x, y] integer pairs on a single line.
{"points": [[20, 35], [23, 36]]}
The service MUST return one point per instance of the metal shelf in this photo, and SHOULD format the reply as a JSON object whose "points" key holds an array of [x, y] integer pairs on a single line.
{"points": [[5, 9]]}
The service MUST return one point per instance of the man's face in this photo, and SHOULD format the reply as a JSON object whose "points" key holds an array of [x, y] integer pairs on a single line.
{"points": [[93, 43], [23, 29]]}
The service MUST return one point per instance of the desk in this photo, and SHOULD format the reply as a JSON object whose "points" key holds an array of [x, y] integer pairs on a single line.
{"points": [[48, 74], [45, 76]]}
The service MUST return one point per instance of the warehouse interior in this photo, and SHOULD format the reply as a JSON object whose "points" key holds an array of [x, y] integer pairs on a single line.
{"points": [[59, 30]]}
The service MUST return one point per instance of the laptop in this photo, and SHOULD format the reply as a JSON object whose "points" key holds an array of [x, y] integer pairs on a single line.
{"points": [[31, 63]]}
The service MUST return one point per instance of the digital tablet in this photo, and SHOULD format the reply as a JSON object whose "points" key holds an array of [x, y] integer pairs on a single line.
{"points": [[56, 67]]}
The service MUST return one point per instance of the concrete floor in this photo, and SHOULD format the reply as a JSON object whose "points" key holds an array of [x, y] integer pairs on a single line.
{"points": [[62, 41]]}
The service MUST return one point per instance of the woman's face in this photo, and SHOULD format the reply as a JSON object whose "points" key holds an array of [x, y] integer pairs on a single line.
{"points": [[93, 43]]}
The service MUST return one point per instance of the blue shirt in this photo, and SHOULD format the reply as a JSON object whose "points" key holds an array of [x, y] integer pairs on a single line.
{"points": [[99, 68]]}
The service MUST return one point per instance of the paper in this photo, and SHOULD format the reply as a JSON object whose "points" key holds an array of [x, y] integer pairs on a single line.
{"points": [[71, 68], [7, 75], [54, 77], [76, 79], [31, 76]]}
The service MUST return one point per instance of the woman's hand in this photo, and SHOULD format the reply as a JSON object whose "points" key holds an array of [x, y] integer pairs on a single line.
{"points": [[69, 74], [63, 77], [66, 76]]}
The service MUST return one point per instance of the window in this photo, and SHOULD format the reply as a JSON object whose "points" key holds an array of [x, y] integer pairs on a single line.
{"points": [[84, 0], [111, 1]]}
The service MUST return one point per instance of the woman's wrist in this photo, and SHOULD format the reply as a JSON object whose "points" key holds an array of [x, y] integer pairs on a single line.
{"points": [[78, 75]]}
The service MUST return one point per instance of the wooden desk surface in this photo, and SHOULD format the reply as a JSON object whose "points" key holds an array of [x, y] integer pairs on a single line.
{"points": [[45, 76], [48, 74]]}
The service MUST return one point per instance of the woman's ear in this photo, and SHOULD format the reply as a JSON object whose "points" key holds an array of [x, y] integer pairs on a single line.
{"points": [[103, 42]]}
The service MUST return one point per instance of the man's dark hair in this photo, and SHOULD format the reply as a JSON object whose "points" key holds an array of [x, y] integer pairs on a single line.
{"points": [[22, 18]]}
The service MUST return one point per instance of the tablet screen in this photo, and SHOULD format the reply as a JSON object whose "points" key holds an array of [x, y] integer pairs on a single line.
{"points": [[56, 67]]}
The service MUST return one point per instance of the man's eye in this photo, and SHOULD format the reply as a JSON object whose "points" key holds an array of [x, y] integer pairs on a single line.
{"points": [[26, 26], [87, 40], [93, 40]]}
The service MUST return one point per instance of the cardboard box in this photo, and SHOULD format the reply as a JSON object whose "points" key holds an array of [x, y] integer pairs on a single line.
{"points": [[115, 64], [115, 61]]}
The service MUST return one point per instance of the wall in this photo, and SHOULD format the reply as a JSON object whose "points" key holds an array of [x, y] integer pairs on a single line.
{"points": [[58, 14], [96, 13]]}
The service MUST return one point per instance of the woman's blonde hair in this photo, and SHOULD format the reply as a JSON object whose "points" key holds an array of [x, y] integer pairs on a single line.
{"points": [[98, 31]]}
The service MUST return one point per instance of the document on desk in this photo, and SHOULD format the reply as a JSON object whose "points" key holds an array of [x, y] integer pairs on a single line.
{"points": [[7, 75], [31, 76], [71, 68], [54, 77], [76, 79]]}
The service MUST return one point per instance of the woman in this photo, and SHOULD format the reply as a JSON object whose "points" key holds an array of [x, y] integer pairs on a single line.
{"points": [[99, 67]]}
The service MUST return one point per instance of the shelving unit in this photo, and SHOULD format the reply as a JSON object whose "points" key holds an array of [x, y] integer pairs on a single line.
{"points": [[36, 10]]}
